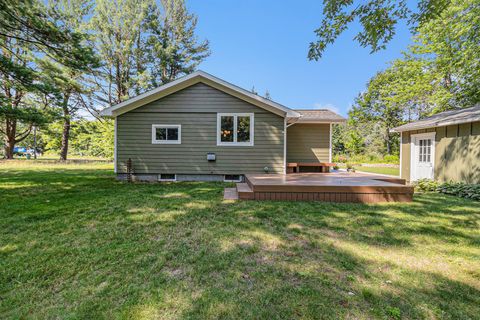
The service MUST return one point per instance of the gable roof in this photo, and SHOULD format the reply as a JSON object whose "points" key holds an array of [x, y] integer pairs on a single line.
{"points": [[194, 78], [444, 119], [318, 116]]}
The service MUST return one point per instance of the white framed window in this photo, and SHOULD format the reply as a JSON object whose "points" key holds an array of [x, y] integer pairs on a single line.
{"points": [[166, 134], [167, 177], [235, 129]]}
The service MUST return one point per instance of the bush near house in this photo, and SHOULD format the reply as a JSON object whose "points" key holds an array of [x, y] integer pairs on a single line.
{"points": [[459, 189], [371, 158]]}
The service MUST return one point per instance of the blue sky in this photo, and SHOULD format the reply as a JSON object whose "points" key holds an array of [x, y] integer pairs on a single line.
{"points": [[265, 42]]}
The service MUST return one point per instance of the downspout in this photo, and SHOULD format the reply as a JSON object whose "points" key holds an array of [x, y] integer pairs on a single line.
{"points": [[285, 145], [401, 147], [330, 145]]}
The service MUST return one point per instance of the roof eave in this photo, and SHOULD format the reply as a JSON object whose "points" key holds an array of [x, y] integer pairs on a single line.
{"points": [[191, 79], [405, 128]]}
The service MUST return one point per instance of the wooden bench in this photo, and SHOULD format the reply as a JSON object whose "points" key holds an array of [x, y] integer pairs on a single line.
{"points": [[297, 167]]}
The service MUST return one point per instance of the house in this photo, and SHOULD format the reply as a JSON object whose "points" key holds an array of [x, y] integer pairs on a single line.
{"points": [[200, 127], [443, 147]]}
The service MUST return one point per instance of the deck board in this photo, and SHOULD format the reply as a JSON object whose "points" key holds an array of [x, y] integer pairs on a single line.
{"points": [[329, 187]]}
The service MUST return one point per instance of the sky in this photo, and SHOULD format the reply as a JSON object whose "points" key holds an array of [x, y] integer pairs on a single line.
{"points": [[264, 43]]}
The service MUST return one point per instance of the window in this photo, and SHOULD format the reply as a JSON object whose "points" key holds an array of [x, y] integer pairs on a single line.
{"points": [[425, 149], [167, 177], [166, 134], [232, 178], [235, 129]]}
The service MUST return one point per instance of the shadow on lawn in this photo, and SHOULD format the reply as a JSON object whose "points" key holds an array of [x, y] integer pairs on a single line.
{"points": [[109, 249]]}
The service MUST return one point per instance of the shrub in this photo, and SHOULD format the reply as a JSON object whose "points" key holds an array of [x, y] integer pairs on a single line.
{"points": [[390, 158], [339, 158], [426, 185], [459, 189]]}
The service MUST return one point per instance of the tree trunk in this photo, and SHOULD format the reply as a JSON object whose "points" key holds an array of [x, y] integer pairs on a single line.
{"points": [[388, 142], [11, 130], [66, 130]]}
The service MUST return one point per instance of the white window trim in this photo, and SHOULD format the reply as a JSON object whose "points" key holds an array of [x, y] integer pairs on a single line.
{"points": [[167, 180], [235, 143], [154, 128], [413, 155]]}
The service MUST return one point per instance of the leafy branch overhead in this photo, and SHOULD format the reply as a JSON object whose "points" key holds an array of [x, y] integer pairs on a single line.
{"points": [[378, 20]]}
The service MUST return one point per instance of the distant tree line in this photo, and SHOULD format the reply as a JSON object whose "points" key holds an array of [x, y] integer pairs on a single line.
{"points": [[62, 60]]}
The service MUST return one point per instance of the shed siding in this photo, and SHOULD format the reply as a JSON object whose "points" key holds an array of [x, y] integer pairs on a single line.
{"points": [[457, 153], [195, 109], [308, 142]]}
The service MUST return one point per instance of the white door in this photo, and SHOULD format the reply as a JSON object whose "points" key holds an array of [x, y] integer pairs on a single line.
{"points": [[423, 151]]}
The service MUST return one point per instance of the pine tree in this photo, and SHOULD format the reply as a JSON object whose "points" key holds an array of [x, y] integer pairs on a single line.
{"points": [[267, 95], [173, 48], [118, 28], [68, 82], [28, 30]]}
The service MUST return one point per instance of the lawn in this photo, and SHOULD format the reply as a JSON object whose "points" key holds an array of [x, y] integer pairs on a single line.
{"points": [[381, 170], [75, 243]]}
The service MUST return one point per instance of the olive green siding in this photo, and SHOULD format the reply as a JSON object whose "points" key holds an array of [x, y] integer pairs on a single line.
{"points": [[195, 109], [457, 152], [308, 142]]}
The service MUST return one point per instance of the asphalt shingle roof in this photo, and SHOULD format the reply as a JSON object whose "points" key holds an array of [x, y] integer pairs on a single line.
{"points": [[319, 115], [444, 119]]}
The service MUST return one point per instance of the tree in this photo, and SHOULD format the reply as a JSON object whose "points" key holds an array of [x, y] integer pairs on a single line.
{"points": [[354, 143], [117, 28], [93, 138], [172, 46], [374, 105], [267, 95], [440, 71], [378, 19], [67, 81], [450, 48], [28, 30]]}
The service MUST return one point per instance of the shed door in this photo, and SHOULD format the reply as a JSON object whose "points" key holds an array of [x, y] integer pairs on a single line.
{"points": [[423, 156]]}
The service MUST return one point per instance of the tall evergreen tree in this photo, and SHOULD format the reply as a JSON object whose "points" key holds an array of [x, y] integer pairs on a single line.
{"points": [[68, 82], [118, 27], [173, 47], [29, 30]]}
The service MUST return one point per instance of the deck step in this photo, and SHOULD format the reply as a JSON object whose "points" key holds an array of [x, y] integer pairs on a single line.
{"points": [[230, 194], [245, 192]]}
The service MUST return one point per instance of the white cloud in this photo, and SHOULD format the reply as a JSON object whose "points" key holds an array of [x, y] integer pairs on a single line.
{"points": [[327, 106]]}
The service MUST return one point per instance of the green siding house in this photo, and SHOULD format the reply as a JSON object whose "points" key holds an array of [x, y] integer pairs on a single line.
{"points": [[444, 147], [200, 127]]}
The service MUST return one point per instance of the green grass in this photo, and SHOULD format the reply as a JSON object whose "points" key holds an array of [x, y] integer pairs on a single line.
{"points": [[381, 170], [75, 243]]}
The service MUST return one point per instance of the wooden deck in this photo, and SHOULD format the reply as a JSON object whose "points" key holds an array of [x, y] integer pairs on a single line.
{"points": [[328, 187]]}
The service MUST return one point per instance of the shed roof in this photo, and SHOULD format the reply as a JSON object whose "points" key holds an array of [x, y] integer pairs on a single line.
{"points": [[446, 118], [318, 116]]}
